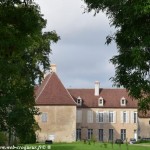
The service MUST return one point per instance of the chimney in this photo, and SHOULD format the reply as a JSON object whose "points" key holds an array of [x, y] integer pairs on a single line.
{"points": [[97, 86], [53, 68]]}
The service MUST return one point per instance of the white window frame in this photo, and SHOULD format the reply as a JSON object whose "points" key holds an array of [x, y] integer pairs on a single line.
{"points": [[124, 116], [134, 117], [78, 134], [123, 134], [101, 135], [44, 117], [79, 101], [111, 134], [112, 117], [90, 134], [123, 101], [100, 101], [101, 117]]}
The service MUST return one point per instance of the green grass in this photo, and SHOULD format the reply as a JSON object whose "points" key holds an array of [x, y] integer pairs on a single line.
{"points": [[92, 146]]}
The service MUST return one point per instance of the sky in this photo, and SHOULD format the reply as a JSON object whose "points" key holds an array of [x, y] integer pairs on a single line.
{"points": [[81, 56]]}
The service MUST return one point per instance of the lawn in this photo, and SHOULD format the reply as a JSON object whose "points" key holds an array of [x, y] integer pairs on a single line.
{"points": [[92, 146]]}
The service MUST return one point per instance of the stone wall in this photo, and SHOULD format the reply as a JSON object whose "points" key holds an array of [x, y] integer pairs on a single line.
{"points": [[61, 123], [130, 127]]}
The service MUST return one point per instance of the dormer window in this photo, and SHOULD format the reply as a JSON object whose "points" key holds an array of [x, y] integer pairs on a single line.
{"points": [[123, 101], [79, 101], [100, 101]]}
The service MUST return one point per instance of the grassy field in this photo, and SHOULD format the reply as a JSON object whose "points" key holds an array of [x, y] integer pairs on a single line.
{"points": [[92, 146]]}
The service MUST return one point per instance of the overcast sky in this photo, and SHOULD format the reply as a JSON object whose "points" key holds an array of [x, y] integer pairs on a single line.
{"points": [[81, 56]]}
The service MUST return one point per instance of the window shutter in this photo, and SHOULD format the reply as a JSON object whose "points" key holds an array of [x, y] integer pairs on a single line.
{"points": [[114, 116], [136, 117], [79, 116], [127, 115], [90, 116], [121, 114], [97, 116], [106, 116], [132, 117]]}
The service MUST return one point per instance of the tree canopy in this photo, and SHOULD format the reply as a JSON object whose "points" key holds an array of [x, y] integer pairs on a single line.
{"points": [[131, 19], [24, 55]]}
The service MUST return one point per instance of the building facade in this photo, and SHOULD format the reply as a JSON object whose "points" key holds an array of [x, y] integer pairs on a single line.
{"points": [[77, 114], [58, 111]]}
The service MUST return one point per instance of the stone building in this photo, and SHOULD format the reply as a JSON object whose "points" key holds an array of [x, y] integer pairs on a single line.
{"points": [[76, 114]]}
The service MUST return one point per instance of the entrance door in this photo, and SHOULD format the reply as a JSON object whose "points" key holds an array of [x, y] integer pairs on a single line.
{"points": [[135, 134]]}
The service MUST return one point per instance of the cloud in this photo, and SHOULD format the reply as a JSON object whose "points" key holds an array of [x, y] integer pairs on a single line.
{"points": [[81, 55]]}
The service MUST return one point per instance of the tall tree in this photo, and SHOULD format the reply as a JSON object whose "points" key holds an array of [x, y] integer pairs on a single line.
{"points": [[24, 55], [131, 19]]}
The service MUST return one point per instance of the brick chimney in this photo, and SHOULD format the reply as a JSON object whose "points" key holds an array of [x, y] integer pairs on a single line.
{"points": [[53, 68], [97, 86]]}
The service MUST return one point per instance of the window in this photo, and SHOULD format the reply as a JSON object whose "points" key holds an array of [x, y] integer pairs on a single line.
{"points": [[90, 134], [101, 117], [104, 117], [101, 132], [100, 102], [90, 116], [79, 101], [135, 117], [111, 116], [79, 116], [111, 134], [44, 117], [123, 101], [124, 117], [123, 134], [78, 134]]}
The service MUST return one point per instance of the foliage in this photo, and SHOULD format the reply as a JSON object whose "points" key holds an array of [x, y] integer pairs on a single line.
{"points": [[24, 56], [143, 140], [93, 139], [3, 139], [131, 19]]}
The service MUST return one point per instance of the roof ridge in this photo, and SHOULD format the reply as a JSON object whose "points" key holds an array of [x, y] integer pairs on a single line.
{"points": [[66, 90], [70, 95], [94, 88], [53, 91], [44, 86]]}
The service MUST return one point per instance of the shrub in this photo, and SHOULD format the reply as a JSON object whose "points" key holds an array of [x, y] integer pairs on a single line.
{"points": [[3, 139], [28, 138], [93, 139]]}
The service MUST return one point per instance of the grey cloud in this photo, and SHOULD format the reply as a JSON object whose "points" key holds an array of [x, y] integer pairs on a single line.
{"points": [[81, 55]]}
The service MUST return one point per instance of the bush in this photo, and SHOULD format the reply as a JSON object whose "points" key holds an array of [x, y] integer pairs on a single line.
{"points": [[26, 136], [3, 139], [143, 140]]}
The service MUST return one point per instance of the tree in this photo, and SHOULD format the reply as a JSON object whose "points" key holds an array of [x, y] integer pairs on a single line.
{"points": [[24, 56], [131, 19]]}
